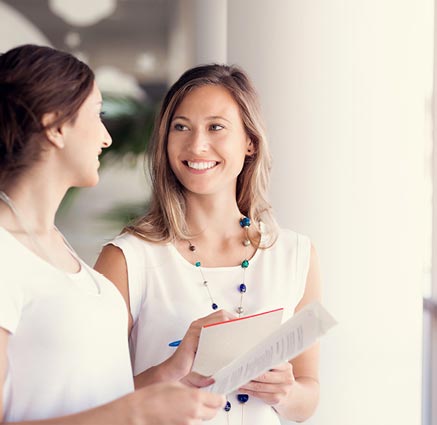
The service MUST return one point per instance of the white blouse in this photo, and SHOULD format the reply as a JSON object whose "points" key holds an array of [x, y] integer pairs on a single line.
{"points": [[68, 348], [167, 294]]}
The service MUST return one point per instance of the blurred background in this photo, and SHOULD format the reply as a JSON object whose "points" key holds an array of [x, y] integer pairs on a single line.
{"points": [[347, 89]]}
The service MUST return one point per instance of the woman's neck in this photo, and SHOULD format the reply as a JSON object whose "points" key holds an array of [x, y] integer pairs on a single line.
{"points": [[37, 198], [213, 215]]}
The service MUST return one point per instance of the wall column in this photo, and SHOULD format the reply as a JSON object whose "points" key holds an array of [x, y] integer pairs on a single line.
{"points": [[345, 87]]}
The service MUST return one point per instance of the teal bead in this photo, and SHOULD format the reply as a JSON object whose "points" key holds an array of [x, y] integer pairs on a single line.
{"points": [[197, 264], [245, 222], [245, 264]]}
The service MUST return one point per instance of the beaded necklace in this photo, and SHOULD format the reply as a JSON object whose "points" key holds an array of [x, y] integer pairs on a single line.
{"points": [[242, 289]]}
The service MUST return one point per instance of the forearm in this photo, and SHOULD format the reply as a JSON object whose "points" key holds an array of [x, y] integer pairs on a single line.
{"points": [[148, 406], [162, 372], [109, 414], [302, 400]]}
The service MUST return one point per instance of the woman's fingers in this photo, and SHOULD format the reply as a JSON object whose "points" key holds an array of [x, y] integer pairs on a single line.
{"points": [[172, 403], [272, 386], [182, 359], [216, 317], [193, 379], [282, 374]]}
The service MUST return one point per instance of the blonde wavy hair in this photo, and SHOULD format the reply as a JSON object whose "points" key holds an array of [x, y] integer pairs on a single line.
{"points": [[165, 219]]}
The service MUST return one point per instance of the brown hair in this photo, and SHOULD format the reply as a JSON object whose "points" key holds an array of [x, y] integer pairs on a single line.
{"points": [[35, 80], [165, 219]]}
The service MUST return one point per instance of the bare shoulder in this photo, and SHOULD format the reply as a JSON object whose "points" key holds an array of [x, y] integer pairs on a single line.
{"points": [[112, 264]]}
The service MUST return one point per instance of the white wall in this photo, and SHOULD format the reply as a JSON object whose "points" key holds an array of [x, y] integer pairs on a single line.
{"points": [[344, 86]]}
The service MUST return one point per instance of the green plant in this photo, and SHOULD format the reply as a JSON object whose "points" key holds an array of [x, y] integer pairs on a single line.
{"points": [[130, 123]]}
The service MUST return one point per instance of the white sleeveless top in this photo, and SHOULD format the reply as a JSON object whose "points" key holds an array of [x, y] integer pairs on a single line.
{"points": [[167, 294], [68, 348]]}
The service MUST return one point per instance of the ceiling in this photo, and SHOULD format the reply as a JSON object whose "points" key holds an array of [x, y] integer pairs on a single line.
{"points": [[137, 27]]}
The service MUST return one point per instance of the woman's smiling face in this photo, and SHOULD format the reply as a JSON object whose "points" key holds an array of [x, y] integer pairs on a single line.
{"points": [[207, 142]]}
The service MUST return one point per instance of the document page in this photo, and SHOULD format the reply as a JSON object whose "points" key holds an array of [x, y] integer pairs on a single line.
{"points": [[286, 342], [220, 343]]}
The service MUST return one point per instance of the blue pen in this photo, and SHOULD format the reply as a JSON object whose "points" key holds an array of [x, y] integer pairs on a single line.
{"points": [[175, 343]]}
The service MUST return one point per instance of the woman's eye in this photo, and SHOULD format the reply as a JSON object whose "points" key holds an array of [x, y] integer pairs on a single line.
{"points": [[180, 127], [102, 114], [216, 127]]}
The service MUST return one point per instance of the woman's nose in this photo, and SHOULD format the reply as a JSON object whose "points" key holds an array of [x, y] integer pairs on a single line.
{"points": [[107, 139], [199, 142]]}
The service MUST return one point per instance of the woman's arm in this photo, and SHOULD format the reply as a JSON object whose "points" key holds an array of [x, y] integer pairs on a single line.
{"points": [[292, 389], [149, 405], [112, 264]]}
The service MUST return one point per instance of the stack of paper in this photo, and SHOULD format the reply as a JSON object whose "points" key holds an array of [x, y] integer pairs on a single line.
{"points": [[240, 350]]}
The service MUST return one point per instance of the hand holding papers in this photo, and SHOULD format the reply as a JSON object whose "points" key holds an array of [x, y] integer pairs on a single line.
{"points": [[283, 343]]}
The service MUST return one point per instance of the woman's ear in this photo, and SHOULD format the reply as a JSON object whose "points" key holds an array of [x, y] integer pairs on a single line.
{"points": [[53, 133], [250, 148]]}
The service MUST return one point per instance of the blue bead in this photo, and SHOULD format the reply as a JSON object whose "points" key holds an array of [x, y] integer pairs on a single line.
{"points": [[245, 264], [242, 398], [214, 306], [243, 287], [245, 222], [197, 264], [228, 406]]}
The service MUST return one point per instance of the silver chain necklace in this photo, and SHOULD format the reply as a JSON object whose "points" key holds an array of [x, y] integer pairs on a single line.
{"points": [[18, 216]]}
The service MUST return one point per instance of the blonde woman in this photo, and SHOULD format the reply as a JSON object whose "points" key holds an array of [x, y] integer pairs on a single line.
{"points": [[210, 244]]}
